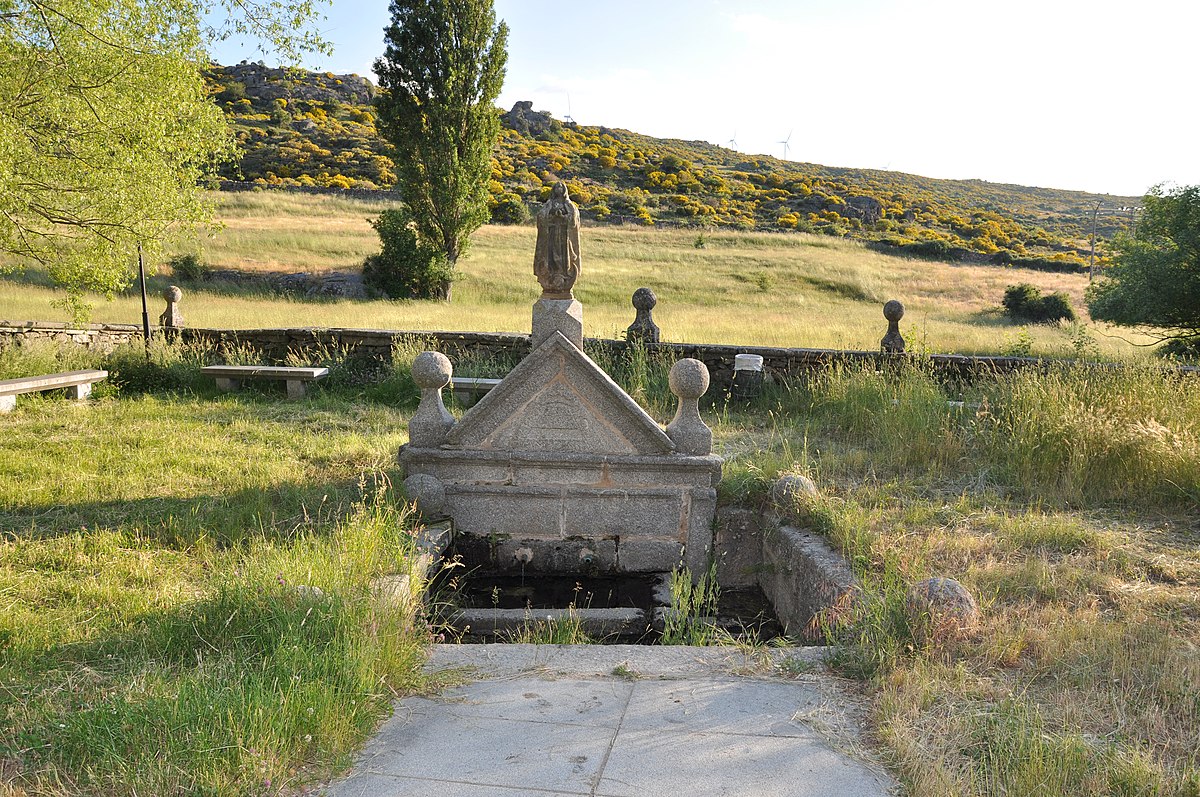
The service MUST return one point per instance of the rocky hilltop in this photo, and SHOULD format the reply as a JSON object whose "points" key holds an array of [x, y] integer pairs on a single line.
{"points": [[316, 130]]}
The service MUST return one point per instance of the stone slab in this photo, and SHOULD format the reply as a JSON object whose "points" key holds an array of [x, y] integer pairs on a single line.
{"points": [[531, 467], [265, 372], [737, 545], [649, 556], [556, 719], [483, 661], [545, 698], [556, 555], [425, 742], [664, 762], [596, 623], [802, 575], [374, 784], [35, 384], [645, 661]]}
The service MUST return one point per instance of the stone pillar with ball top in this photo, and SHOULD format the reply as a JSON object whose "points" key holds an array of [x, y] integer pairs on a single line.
{"points": [[556, 265], [431, 422], [643, 329], [171, 318], [892, 342], [689, 433]]}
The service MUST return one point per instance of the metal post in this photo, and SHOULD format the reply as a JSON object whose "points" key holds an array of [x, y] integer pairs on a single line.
{"points": [[1092, 263], [145, 309]]}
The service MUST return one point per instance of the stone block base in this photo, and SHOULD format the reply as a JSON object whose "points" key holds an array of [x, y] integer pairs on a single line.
{"points": [[557, 315]]}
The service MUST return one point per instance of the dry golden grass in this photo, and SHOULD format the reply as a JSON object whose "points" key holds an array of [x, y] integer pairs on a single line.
{"points": [[741, 288], [1067, 505]]}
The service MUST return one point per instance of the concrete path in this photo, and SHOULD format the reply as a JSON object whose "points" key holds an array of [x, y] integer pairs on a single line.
{"points": [[622, 721]]}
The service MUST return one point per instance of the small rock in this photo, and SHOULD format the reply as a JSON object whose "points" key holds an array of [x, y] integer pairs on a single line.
{"points": [[792, 493], [940, 607]]}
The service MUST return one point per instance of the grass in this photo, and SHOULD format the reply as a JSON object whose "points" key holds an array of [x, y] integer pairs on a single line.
{"points": [[800, 290], [690, 618], [190, 612], [151, 569], [1066, 503]]}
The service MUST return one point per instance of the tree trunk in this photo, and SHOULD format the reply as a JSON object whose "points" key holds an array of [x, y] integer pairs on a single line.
{"points": [[443, 289]]}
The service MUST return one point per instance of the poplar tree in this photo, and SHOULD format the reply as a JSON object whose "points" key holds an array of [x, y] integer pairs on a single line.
{"points": [[439, 76]]}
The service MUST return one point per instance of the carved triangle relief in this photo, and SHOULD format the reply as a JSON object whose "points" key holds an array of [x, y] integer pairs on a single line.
{"points": [[557, 399]]}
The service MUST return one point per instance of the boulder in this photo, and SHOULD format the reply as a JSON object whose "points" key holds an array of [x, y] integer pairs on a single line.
{"points": [[939, 607]]}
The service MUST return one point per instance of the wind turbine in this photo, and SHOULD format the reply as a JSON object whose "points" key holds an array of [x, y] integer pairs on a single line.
{"points": [[733, 141], [785, 144], [568, 118]]}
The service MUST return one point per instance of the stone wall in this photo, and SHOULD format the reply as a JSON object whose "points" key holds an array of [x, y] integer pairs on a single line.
{"points": [[99, 337], [277, 344], [778, 363]]}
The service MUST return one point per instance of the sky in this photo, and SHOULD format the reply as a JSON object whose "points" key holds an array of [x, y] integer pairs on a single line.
{"points": [[1093, 96]]}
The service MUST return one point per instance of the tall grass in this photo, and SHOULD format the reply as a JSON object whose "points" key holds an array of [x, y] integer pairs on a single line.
{"points": [[265, 677], [1090, 434], [1064, 500]]}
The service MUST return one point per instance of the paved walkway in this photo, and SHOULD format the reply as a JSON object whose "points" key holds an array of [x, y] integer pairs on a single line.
{"points": [[622, 721]]}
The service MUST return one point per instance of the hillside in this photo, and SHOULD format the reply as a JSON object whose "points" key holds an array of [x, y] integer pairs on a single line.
{"points": [[309, 129]]}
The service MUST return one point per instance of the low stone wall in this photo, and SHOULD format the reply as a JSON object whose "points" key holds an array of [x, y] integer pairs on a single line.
{"points": [[277, 345], [99, 337], [778, 363], [803, 577]]}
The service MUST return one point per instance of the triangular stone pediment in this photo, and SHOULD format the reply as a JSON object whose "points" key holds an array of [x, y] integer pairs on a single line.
{"points": [[558, 399]]}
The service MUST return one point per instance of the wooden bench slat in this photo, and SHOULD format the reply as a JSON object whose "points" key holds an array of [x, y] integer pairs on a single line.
{"points": [[34, 384]]}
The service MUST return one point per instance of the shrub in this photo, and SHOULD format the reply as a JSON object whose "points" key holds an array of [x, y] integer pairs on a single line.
{"points": [[930, 250], [1025, 302], [189, 267], [510, 209], [1180, 349], [407, 267]]}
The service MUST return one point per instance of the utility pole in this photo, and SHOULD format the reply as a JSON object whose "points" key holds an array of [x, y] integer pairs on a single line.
{"points": [[1092, 264]]}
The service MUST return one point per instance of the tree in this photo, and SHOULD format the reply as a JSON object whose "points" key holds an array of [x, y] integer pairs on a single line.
{"points": [[1154, 282], [440, 74], [106, 128]]}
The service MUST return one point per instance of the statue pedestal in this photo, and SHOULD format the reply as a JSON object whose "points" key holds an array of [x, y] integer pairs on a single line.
{"points": [[557, 315]]}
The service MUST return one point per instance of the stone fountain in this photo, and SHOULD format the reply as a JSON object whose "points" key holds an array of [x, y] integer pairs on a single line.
{"points": [[557, 469]]}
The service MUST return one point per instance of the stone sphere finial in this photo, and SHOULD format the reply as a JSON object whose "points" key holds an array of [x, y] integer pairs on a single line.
{"points": [[643, 327], [172, 293], [893, 310], [689, 378], [431, 370], [644, 299]]}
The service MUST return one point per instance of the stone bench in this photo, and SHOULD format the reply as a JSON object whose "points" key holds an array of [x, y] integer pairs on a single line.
{"points": [[469, 389], [78, 383], [230, 377]]}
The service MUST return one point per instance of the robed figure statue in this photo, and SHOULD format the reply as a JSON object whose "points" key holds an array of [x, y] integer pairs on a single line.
{"points": [[556, 258]]}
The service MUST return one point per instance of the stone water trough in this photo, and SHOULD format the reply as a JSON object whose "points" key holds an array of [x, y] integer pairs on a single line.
{"points": [[557, 473]]}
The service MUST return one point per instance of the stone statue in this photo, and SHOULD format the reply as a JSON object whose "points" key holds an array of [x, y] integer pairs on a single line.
{"points": [[556, 258]]}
